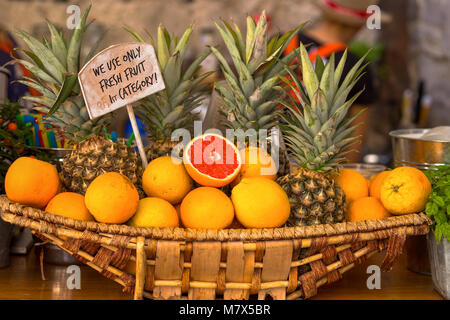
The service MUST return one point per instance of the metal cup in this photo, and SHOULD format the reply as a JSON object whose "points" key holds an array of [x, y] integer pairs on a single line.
{"points": [[411, 150], [4, 79]]}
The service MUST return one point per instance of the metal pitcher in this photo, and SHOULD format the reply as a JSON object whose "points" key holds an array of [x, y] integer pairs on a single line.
{"points": [[411, 149]]}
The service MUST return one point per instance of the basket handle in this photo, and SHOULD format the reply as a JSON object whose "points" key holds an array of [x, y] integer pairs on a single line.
{"points": [[394, 248]]}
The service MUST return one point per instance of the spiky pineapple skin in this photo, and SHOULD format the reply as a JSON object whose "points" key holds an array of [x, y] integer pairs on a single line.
{"points": [[315, 198], [98, 155], [162, 147]]}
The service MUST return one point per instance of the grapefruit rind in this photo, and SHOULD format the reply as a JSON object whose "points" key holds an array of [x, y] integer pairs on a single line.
{"points": [[205, 179]]}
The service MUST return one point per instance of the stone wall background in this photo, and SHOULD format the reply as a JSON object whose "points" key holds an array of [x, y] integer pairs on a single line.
{"points": [[417, 42]]}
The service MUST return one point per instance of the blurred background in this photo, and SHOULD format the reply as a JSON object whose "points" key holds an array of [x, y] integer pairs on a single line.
{"points": [[410, 60]]}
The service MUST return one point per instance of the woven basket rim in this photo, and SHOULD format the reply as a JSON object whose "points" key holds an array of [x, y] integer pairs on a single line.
{"points": [[299, 232]]}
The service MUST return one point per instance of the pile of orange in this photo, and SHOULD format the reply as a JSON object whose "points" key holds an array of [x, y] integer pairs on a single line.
{"points": [[212, 162], [187, 192], [403, 190]]}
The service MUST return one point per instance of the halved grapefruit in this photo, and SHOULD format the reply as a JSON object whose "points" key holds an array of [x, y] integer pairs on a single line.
{"points": [[211, 160]]}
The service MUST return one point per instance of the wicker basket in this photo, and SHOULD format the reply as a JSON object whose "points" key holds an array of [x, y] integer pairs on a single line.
{"points": [[177, 263]]}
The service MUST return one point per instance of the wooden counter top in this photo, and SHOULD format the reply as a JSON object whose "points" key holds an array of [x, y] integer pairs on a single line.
{"points": [[22, 280]]}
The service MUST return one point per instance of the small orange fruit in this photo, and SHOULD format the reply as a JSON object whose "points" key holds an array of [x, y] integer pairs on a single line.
{"points": [[405, 191], [256, 163], [12, 126], [260, 203], [166, 178], [375, 185], [211, 160], [31, 182], [112, 198], [70, 205], [206, 208], [154, 212], [353, 183], [366, 208]]}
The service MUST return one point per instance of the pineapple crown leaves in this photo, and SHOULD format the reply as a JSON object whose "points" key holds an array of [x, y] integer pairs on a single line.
{"points": [[54, 66], [316, 129], [249, 99], [172, 108]]}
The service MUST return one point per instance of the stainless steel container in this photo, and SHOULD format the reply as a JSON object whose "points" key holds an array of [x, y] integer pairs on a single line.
{"points": [[57, 256], [5, 243], [410, 149], [4, 79], [440, 264], [53, 254], [58, 155]]}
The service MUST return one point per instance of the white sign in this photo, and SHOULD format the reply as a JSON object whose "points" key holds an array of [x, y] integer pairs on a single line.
{"points": [[118, 76]]}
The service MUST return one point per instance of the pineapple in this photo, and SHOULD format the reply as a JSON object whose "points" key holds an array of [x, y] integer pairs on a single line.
{"points": [[318, 134], [170, 109], [55, 68], [251, 96]]}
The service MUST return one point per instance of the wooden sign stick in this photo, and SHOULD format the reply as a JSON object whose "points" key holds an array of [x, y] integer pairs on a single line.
{"points": [[137, 135], [119, 76]]}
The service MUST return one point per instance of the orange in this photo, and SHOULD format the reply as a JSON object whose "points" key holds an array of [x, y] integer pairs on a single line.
{"points": [[375, 184], [154, 212], [419, 174], [166, 178], [70, 205], [366, 208], [211, 160], [256, 163], [353, 183], [206, 208], [260, 203], [112, 198], [405, 191], [31, 182]]}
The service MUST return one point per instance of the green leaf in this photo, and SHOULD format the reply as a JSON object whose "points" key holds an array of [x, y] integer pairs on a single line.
{"points": [[45, 55], [250, 43], [171, 73], [428, 209], [134, 33], [447, 192], [172, 116], [339, 69], [73, 53], [309, 76], [224, 64], [58, 44], [162, 50], [183, 43], [66, 89], [438, 233], [439, 201], [195, 66], [319, 67]]}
